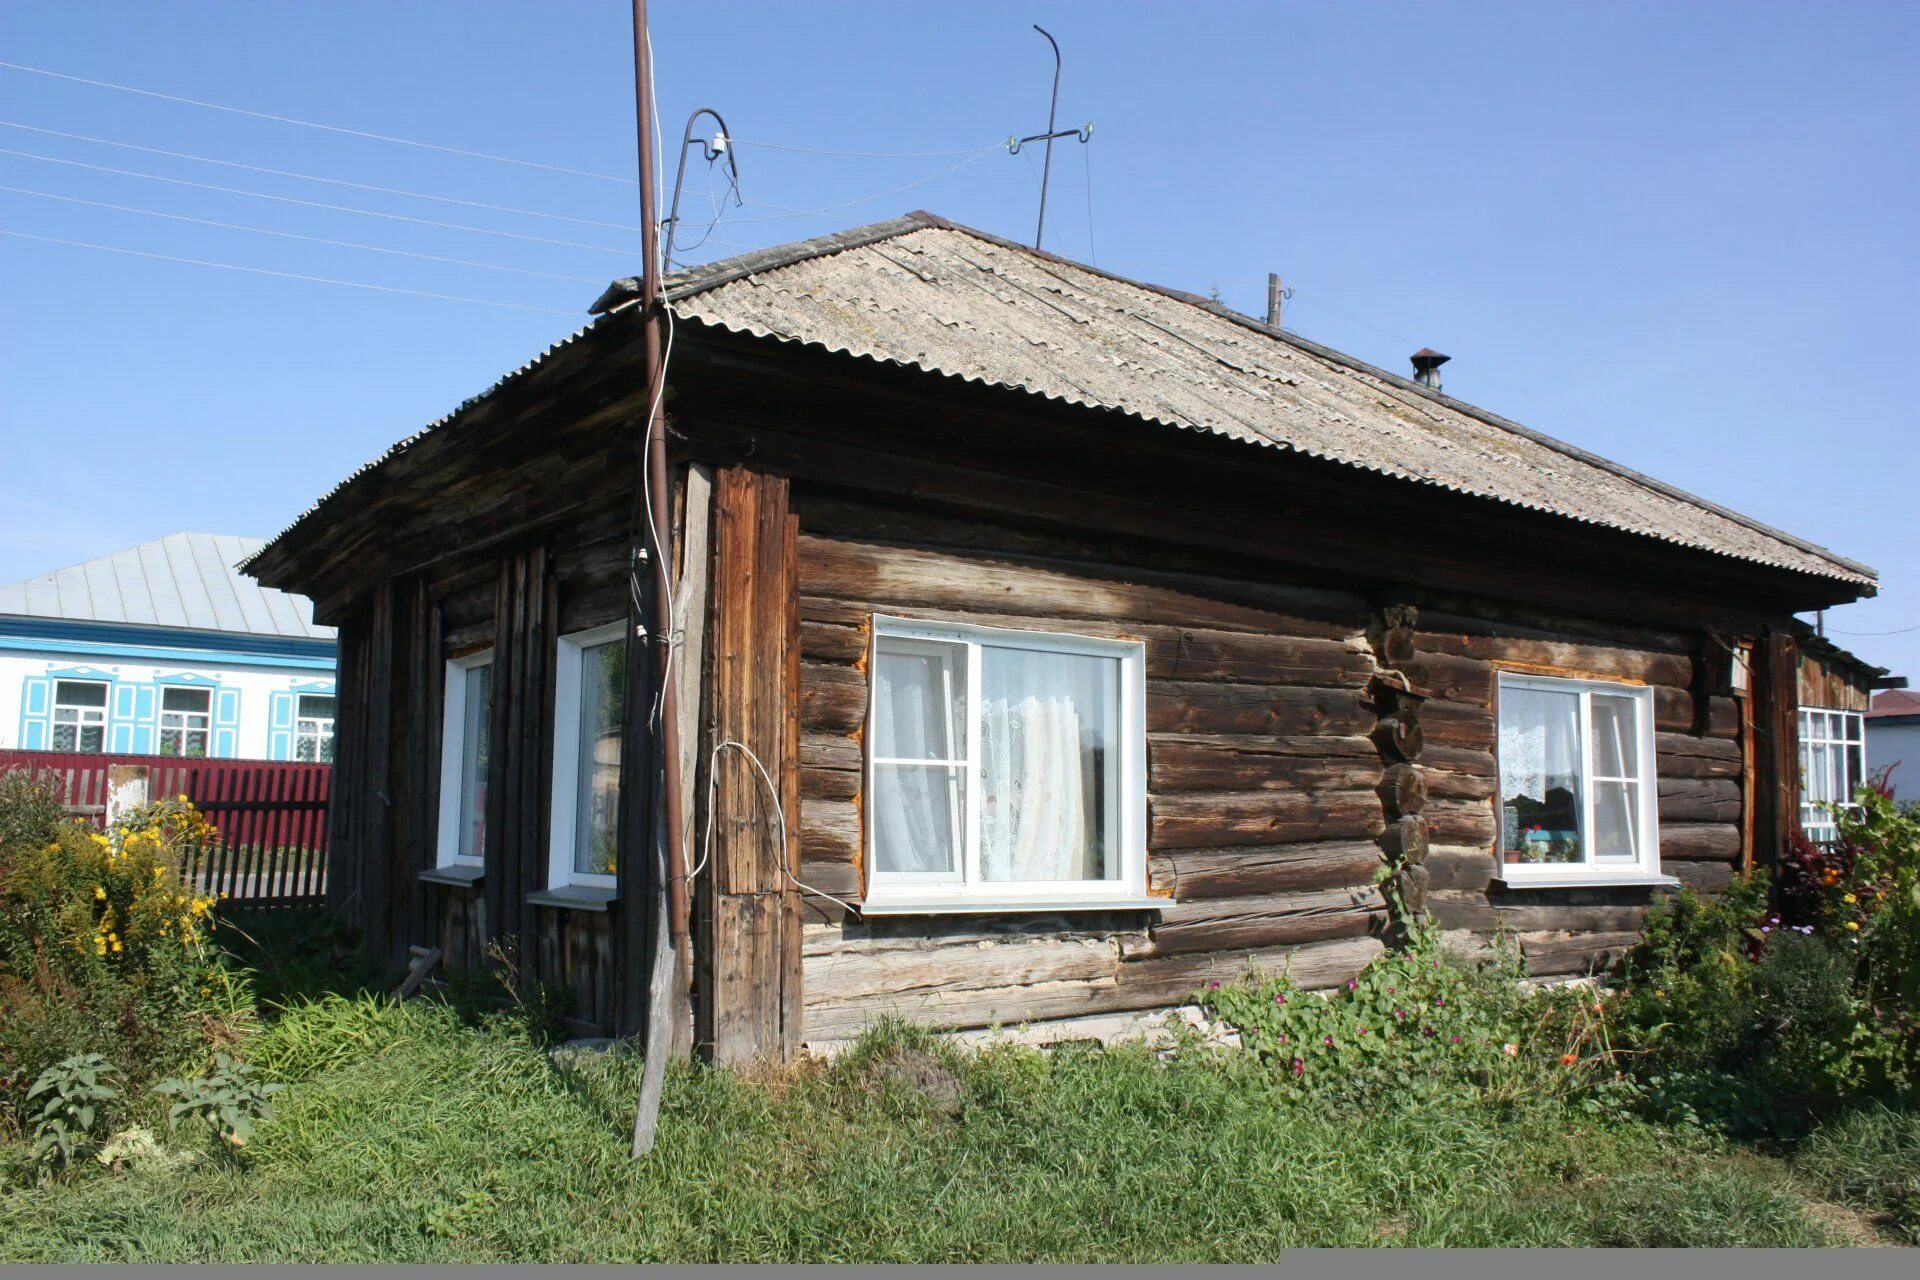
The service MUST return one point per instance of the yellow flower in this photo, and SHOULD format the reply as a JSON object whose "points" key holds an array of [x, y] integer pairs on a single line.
{"points": [[1854, 925], [158, 872], [99, 894], [1849, 898], [183, 798], [1659, 995], [116, 944]]}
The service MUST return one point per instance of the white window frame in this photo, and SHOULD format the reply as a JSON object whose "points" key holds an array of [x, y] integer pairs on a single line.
{"points": [[902, 893], [322, 731], [453, 757], [87, 717], [1821, 827], [186, 729], [1644, 870], [566, 758]]}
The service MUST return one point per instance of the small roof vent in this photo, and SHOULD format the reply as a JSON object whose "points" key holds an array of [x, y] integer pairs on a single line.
{"points": [[1426, 367]]}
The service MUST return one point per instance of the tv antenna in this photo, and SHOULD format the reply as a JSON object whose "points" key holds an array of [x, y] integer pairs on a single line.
{"points": [[1046, 168]]}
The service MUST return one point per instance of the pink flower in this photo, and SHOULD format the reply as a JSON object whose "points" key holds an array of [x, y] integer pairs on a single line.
{"points": [[1213, 986], [1327, 1041], [1299, 1067], [1400, 1014], [1353, 984], [1363, 1031], [1281, 998]]}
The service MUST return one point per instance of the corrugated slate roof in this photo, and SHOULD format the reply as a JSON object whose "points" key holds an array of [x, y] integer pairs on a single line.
{"points": [[186, 580], [922, 292]]}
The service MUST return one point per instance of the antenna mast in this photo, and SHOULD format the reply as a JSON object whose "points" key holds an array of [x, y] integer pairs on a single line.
{"points": [[1046, 168]]}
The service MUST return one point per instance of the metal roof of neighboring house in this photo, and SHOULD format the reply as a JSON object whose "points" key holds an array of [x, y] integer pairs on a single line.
{"points": [[922, 292], [1891, 704], [189, 581]]}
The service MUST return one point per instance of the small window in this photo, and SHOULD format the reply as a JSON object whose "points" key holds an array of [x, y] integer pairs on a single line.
{"points": [[79, 715], [1006, 770], [1833, 764], [313, 728], [465, 751], [186, 721], [1578, 797], [590, 672]]}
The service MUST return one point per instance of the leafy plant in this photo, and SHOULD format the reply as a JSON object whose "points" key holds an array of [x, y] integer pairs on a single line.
{"points": [[72, 1115], [227, 1101]]}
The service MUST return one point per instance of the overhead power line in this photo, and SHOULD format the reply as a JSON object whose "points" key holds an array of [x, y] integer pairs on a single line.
{"points": [[311, 177], [316, 204], [313, 124], [285, 275], [293, 235], [870, 155]]}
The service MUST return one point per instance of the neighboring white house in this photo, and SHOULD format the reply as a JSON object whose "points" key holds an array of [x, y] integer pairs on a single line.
{"points": [[165, 649], [1893, 739]]}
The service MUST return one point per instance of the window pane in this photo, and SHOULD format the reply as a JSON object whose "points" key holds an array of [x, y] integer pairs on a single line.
{"points": [[1616, 743], [1047, 759], [919, 700], [1540, 774], [1616, 836], [1856, 772], [314, 707], [475, 736], [194, 700], [603, 673], [80, 693], [919, 818]]}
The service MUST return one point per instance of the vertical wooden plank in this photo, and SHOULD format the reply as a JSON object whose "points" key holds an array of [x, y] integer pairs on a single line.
{"points": [[752, 1004], [1776, 763]]}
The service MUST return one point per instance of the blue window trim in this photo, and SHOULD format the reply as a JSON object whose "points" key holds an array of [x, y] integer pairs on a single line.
{"points": [[108, 642]]}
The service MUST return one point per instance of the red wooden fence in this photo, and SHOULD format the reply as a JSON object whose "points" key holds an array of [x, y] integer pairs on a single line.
{"points": [[271, 816]]}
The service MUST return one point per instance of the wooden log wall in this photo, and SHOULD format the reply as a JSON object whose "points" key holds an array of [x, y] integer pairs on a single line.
{"points": [[1699, 759], [1263, 786]]}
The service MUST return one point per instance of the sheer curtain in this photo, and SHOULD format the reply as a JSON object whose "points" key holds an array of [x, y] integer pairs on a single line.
{"points": [[1046, 746], [1539, 762], [919, 705]]}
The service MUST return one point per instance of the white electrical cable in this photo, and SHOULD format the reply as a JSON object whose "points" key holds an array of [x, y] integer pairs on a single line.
{"points": [[779, 810]]}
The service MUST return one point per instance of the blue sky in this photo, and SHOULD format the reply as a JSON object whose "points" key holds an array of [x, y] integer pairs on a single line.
{"points": [[1679, 235]]}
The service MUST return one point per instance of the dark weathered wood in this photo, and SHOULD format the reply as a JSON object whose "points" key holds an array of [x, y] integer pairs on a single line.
{"points": [[1216, 924], [1188, 820], [1714, 841], [1545, 655], [1699, 800], [1682, 755], [1775, 748], [1187, 874], [1402, 790], [1456, 822], [752, 1001], [1519, 910], [1245, 763], [1555, 953], [1460, 869], [1182, 707], [1706, 877]]}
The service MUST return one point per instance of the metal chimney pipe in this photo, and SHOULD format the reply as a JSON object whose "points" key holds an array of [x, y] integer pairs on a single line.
{"points": [[1426, 367]]}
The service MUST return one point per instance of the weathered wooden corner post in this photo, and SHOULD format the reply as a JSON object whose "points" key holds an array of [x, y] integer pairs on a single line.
{"points": [[663, 895]]}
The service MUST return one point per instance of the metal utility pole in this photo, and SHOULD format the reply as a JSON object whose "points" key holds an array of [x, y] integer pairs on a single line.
{"points": [[1046, 168], [668, 906], [1276, 301]]}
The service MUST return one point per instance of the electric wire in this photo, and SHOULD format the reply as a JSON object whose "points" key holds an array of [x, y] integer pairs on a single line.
{"points": [[828, 210], [871, 155], [312, 124], [294, 235], [317, 204], [1900, 632], [780, 816], [312, 177], [286, 275]]}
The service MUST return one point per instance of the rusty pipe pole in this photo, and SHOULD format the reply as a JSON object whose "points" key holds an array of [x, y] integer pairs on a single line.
{"points": [[660, 493]]}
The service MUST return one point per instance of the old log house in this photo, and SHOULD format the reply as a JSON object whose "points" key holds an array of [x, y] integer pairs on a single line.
{"points": [[1096, 642]]}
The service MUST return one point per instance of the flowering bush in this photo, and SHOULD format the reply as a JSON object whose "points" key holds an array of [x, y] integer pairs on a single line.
{"points": [[103, 948]]}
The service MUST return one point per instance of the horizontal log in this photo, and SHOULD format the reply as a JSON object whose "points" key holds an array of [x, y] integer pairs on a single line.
{"points": [[1682, 755], [1673, 712], [1468, 822], [1244, 763], [833, 642], [1520, 910], [1718, 842], [1198, 820], [939, 971], [1468, 762], [1218, 924], [830, 830], [1457, 724], [1705, 877], [1457, 679], [1146, 984], [1460, 869], [1699, 800], [830, 751], [1446, 784], [1573, 658], [833, 700], [1188, 707], [1556, 954], [839, 879], [1187, 874], [829, 784], [905, 578]]}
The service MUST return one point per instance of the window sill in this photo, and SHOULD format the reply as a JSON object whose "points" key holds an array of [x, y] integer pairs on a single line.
{"points": [[575, 897], [982, 907], [459, 875], [1585, 881]]}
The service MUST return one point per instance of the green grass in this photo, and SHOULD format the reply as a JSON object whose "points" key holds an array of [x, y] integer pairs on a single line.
{"points": [[409, 1134], [1870, 1160]]}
